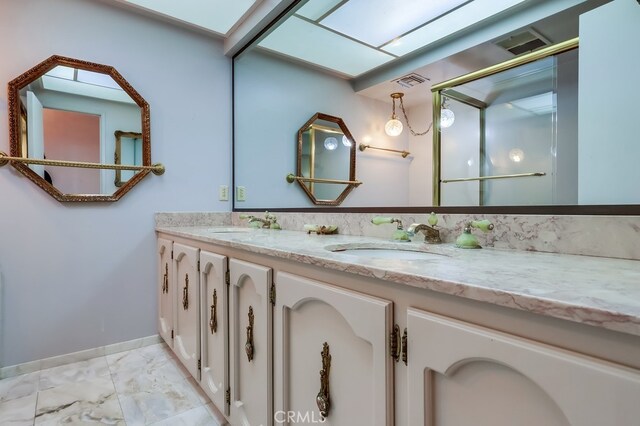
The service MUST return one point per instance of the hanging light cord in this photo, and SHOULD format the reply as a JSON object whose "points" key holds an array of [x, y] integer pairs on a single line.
{"points": [[413, 132]]}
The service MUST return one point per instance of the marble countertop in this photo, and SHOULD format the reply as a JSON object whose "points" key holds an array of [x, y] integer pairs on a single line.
{"points": [[598, 291]]}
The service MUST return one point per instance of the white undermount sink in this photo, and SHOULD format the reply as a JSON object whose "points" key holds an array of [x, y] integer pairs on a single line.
{"points": [[398, 253], [228, 230]]}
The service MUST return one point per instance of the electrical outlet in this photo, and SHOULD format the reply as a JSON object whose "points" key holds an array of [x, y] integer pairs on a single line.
{"points": [[223, 193], [241, 193]]}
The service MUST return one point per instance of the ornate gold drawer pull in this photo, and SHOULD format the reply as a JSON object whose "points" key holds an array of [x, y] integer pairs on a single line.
{"points": [[404, 347], [185, 293], [248, 347], [394, 343], [165, 280], [323, 400], [213, 322]]}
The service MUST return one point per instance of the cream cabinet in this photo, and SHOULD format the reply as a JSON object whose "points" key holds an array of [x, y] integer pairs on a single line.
{"points": [[165, 290], [276, 342], [331, 357], [214, 378], [186, 339], [250, 330], [462, 374]]}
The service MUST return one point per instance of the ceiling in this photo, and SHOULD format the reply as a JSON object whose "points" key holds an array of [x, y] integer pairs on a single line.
{"points": [[557, 28], [352, 37], [216, 16]]}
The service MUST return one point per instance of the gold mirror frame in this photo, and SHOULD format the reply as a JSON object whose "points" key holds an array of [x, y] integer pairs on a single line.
{"points": [[352, 161], [15, 127]]}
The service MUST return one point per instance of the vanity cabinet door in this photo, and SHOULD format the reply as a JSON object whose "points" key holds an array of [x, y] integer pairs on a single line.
{"points": [[460, 374], [165, 290], [250, 329], [314, 321], [186, 342], [215, 361]]}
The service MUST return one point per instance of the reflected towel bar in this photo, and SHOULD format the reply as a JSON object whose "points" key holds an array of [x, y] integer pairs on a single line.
{"points": [[494, 177], [157, 169], [404, 154], [292, 178]]}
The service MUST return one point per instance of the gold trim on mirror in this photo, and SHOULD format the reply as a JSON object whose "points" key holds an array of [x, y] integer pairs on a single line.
{"points": [[350, 183], [16, 138]]}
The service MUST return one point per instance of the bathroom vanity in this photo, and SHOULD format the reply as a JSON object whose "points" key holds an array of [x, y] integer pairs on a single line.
{"points": [[280, 323]]}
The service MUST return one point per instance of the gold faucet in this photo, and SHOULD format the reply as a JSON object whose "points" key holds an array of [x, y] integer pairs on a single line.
{"points": [[431, 234], [269, 222]]}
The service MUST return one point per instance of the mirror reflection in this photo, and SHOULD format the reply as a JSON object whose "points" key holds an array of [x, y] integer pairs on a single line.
{"points": [[75, 111], [515, 140], [326, 151], [548, 121]]}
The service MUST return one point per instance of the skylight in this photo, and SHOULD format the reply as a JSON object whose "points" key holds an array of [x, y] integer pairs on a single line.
{"points": [[376, 22], [352, 37], [84, 83], [218, 16]]}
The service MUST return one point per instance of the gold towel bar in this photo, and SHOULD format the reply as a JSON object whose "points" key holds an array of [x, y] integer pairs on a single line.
{"points": [[494, 177], [404, 154], [157, 169], [292, 178]]}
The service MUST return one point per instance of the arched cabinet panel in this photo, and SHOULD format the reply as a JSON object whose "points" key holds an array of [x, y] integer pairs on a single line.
{"points": [[457, 371], [320, 328]]}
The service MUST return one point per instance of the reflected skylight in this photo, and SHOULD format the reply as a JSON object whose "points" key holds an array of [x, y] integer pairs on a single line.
{"points": [[83, 89], [97, 79], [377, 22], [352, 37], [459, 19], [315, 9], [311, 43], [216, 15]]}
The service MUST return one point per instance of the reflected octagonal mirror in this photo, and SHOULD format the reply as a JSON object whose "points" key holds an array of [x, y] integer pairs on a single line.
{"points": [[76, 111], [327, 158]]}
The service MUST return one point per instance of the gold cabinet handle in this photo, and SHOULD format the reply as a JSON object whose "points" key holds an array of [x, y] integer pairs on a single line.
{"points": [[185, 293], [404, 347], [394, 343], [322, 399], [213, 321], [248, 347], [165, 279]]}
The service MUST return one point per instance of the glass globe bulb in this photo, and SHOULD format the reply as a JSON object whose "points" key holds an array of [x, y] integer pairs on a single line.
{"points": [[447, 117], [516, 155], [331, 143], [346, 141], [393, 127]]}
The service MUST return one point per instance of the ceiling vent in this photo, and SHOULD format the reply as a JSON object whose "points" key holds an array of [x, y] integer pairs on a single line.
{"points": [[524, 42], [410, 80]]}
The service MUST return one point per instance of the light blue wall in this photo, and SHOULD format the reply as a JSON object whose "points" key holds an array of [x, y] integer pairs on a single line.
{"points": [[78, 276], [273, 99], [609, 92]]}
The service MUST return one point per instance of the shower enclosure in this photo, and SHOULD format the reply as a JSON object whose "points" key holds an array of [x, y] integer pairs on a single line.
{"points": [[514, 140]]}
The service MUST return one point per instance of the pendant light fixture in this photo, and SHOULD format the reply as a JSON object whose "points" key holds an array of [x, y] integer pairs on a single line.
{"points": [[394, 126]]}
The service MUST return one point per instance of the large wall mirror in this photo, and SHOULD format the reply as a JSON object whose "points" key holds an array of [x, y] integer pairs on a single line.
{"points": [[347, 57], [74, 111]]}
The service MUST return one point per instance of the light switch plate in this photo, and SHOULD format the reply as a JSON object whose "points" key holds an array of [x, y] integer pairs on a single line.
{"points": [[241, 193], [223, 193]]}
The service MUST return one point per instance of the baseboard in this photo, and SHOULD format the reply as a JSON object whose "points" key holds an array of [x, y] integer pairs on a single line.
{"points": [[42, 364]]}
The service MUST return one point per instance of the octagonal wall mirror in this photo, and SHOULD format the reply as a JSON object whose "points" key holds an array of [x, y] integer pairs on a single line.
{"points": [[74, 112], [326, 161]]}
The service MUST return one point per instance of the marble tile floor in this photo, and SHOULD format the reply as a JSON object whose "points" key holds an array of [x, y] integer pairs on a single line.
{"points": [[145, 386]]}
